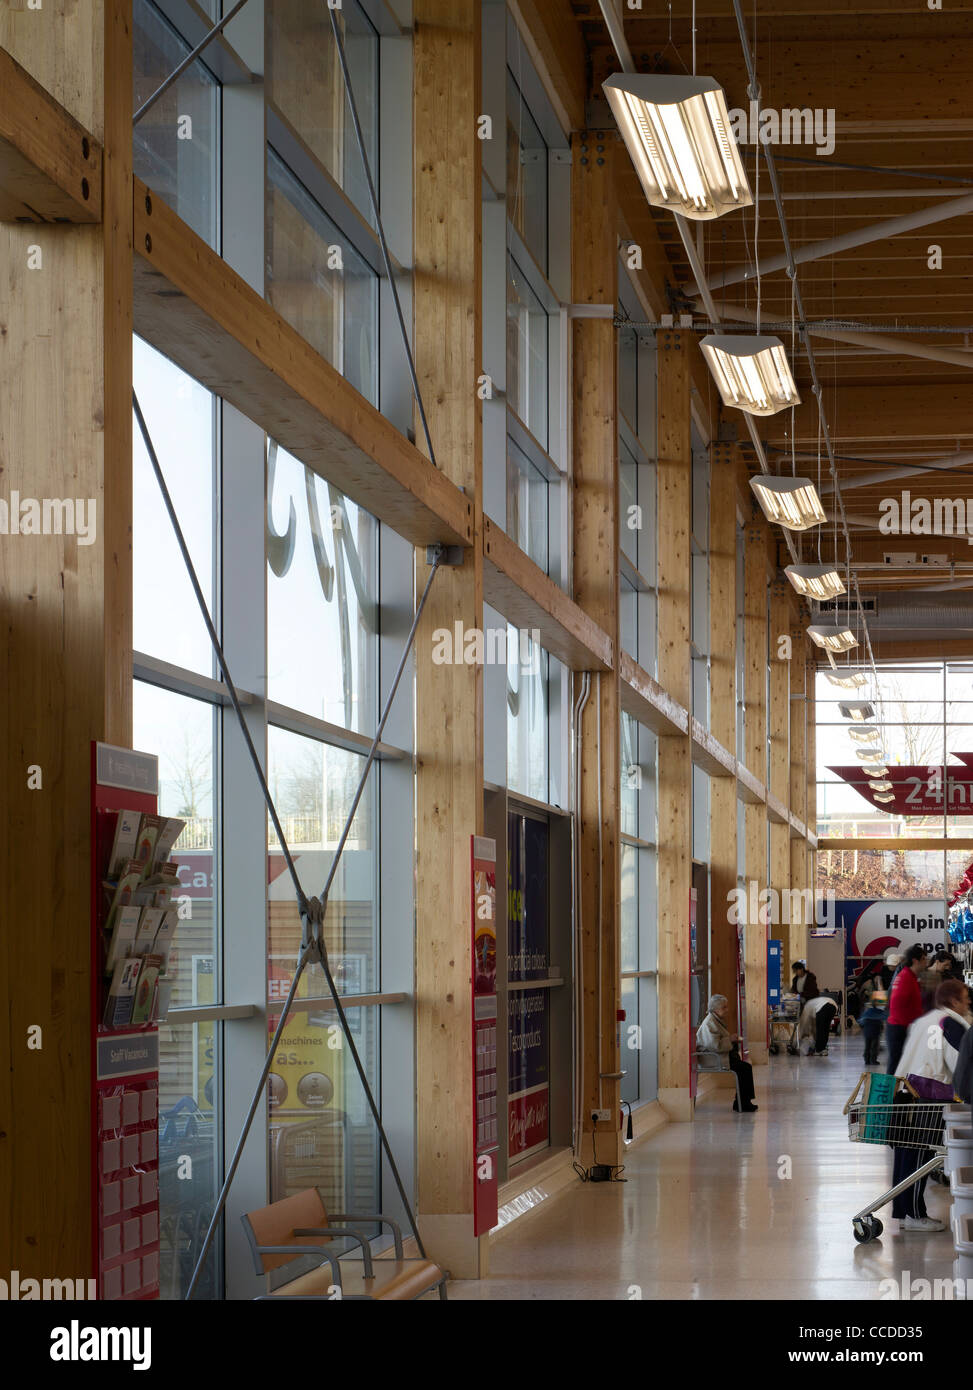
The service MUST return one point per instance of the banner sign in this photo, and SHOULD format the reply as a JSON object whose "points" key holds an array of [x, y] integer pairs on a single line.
{"points": [[874, 927], [919, 790]]}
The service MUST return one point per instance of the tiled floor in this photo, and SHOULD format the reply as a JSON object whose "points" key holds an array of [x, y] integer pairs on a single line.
{"points": [[708, 1213]]}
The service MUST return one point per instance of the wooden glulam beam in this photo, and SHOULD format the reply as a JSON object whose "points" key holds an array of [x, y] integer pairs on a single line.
{"points": [[519, 589], [709, 754], [199, 313], [50, 166], [645, 700]]}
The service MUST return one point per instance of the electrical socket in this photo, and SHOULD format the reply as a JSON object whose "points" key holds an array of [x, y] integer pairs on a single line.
{"points": [[601, 1115]]}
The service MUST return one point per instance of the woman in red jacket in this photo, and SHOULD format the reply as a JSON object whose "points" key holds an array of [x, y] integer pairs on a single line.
{"points": [[905, 1004]]}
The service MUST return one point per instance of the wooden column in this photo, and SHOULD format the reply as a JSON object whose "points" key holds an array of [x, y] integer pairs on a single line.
{"points": [[755, 759], [65, 411], [675, 785], [800, 863], [777, 729], [812, 768], [449, 698], [723, 720], [594, 276]]}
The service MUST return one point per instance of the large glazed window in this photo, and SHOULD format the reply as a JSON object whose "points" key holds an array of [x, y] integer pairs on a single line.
{"points": [[318, 282], [322, 597], [306, 91], [176, 149]]}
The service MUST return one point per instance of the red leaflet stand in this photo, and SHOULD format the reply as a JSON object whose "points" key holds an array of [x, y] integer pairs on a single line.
{"points": [[124, 1064], [483, 885]]}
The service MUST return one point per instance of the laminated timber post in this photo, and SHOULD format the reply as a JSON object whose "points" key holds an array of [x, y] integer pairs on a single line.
{"points": [[65, 433], [675, 772], [778, 784], [449, 698], [800, 857], [811, 819], [723, 718], [594, 280], [756, 574]]}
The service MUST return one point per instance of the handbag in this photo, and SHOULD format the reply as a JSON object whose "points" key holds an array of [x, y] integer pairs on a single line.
{"points": [[927, 1088]]}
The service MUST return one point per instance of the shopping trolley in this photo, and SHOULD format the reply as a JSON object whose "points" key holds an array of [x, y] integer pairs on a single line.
{"points": [[784, 1023], [885, 1110]]}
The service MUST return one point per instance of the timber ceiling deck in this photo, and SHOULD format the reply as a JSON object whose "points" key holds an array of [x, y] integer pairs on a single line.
{"points": [[899, 79]]}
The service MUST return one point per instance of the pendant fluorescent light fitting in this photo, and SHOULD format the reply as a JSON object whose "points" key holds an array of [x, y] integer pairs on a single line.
{"points": [[677, 132], [751, 371]]}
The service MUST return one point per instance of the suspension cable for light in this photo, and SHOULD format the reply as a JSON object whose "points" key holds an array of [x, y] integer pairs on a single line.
{"points": [[677, 132]]}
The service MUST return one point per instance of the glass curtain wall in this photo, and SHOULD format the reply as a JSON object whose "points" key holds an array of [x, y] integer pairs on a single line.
{"points": [[639, 912], [298, 579], [526, 281], [637, 482]]}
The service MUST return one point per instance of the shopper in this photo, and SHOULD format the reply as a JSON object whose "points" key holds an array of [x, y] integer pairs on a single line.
{"points": [[893, 959], [798, 976], [712, 1035], [932, 1051], [952, 969], [905, 1004], [819, 1012], [937, 970], [871, 1020]]}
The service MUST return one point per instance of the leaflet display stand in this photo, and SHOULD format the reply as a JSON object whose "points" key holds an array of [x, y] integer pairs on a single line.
{"points": [[124, 1064], [486, 1146]]}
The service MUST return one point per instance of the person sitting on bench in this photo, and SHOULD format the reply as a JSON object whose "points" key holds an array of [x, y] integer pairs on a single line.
{"points": [[712, 1035]]}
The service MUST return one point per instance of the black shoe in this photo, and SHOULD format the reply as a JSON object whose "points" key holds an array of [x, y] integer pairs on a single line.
{"points": [[736, 1107], [749, 1109]]}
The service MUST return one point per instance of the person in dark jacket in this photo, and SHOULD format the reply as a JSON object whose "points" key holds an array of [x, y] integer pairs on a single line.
{"points": [[905, 1004], [871, 1020]]}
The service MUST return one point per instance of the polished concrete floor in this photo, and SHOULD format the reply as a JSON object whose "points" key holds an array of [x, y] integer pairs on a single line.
{"points": [[709, 1211]]}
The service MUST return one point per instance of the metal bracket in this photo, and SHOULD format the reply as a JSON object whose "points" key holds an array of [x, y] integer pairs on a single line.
{"points": [[444, 554]]}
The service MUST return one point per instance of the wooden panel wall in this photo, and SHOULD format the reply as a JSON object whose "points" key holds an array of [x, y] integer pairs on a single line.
{"points": [[595, 507], [755, 757], [65, 408], [723, 724], [674, 474], [449, 699]]}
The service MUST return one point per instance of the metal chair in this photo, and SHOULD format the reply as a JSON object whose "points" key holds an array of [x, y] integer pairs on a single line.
{"points": [[708, 1060]]}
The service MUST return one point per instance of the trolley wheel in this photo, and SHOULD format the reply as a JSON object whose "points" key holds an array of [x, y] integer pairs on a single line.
{"points": [[866, 1228], [773, 1049]]}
